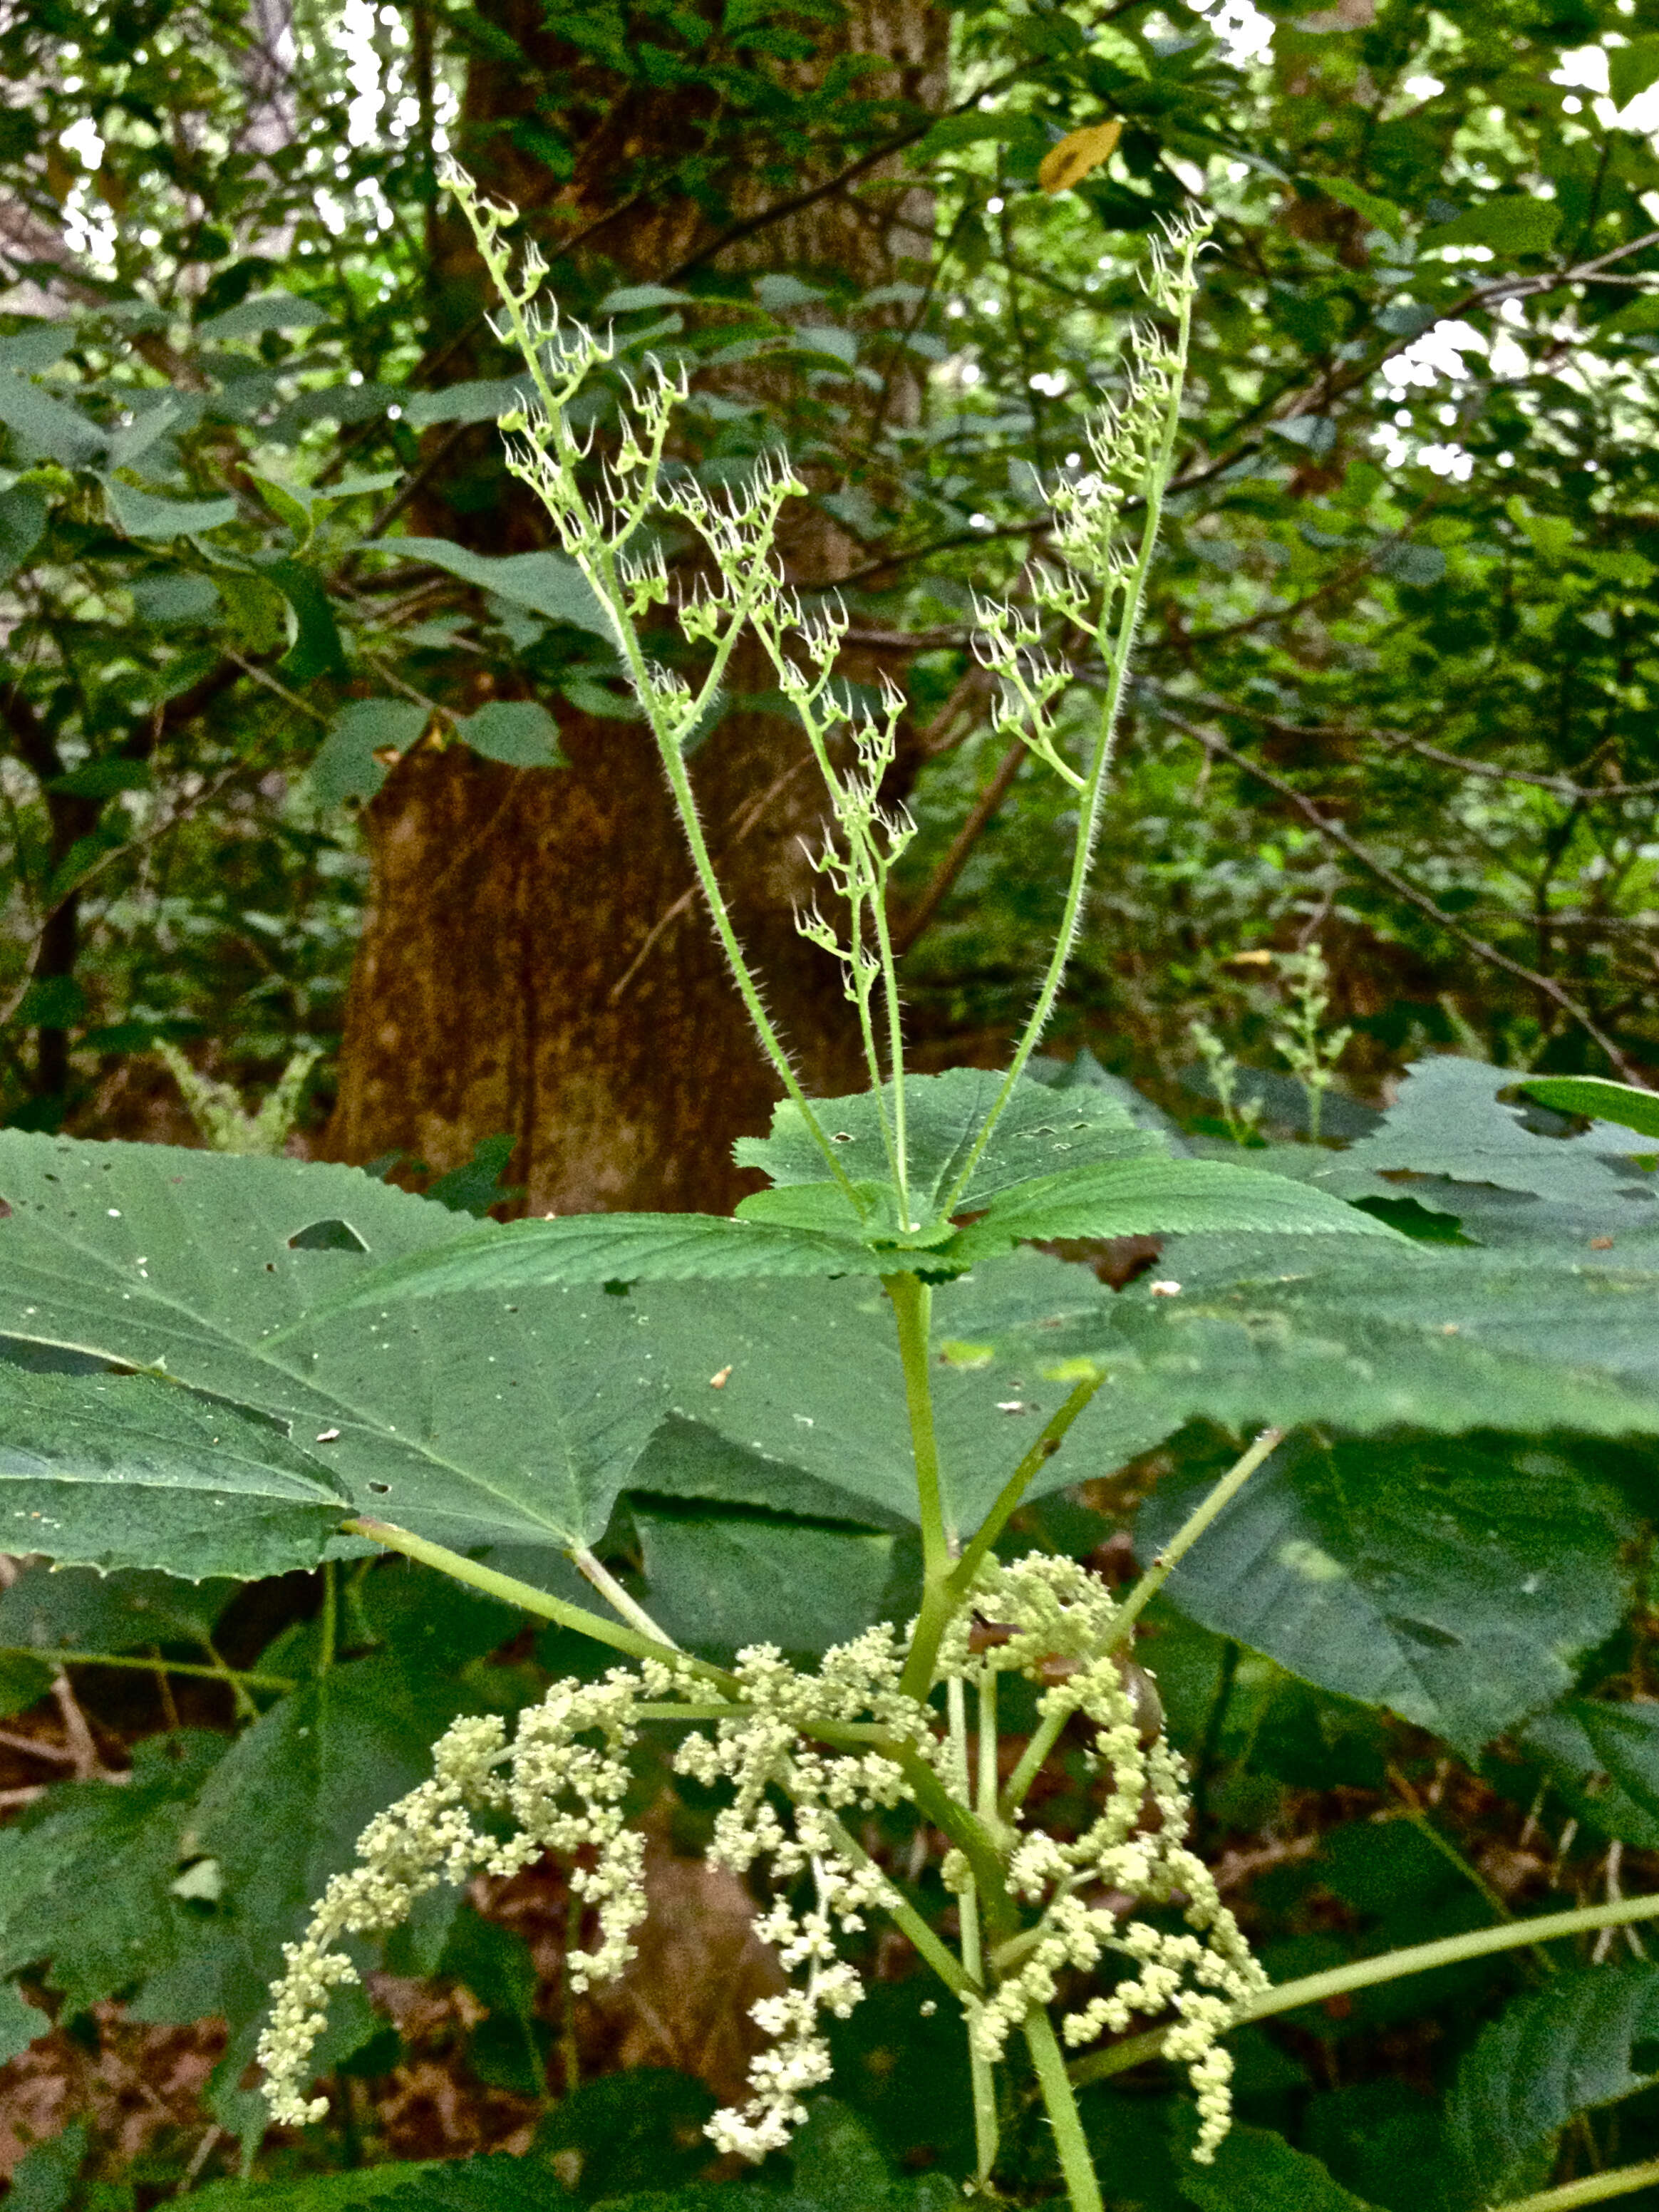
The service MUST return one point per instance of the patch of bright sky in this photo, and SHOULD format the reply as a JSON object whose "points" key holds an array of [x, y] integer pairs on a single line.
{"points": [[1246, 35], [1586, 68]]}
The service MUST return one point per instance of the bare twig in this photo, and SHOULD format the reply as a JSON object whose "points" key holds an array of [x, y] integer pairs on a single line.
{"points": [[1334, 833]]}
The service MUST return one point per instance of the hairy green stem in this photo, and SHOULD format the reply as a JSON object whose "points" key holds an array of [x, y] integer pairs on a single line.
{"points": [[1191, 1529], [1092, 795], [1075, 2163], [1049, 1442], [1593, 2189], [1392, 1966], [981, 2075], [591, 1570], [912, 1302], [528, 1599]]}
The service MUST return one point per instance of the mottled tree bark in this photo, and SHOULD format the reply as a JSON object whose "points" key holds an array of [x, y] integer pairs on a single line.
{"points": [[534, 958]]}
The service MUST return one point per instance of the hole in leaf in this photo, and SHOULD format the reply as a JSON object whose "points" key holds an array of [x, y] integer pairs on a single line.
{"points": [[381, 1489], [333, 1236], [841, 1136], [5, 1209], [616, 1288]]}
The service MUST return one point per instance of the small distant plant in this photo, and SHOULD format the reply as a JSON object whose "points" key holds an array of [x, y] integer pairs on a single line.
{"points": [[1308, 1047], [1241, 1114], [224, 1123]]}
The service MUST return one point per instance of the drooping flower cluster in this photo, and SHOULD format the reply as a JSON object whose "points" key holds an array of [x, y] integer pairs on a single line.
{"points": [[1054, 1612], [775, 1748], [557, 1791]]}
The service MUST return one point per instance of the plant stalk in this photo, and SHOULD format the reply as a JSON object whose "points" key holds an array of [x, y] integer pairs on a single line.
{"points": [[1392, 1966], [1075, 2163], [528, 1599], [1593, 2189], [1191, 1529]]}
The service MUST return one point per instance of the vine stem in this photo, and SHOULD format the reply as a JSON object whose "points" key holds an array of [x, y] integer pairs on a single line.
{"points": [[1392, 1966], [611, 1590], [1075, 2163], [1593, 2189], [528, 1599]]}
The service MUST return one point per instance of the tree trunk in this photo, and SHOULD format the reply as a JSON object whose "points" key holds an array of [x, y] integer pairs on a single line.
{"points": [[534, 958]]}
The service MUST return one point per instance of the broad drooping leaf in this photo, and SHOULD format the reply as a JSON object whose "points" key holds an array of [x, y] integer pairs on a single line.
{"points": [[1456, 1586], [1581, 2041], [1450, 1120], [481, 1420], [718, 1581], [1106, 1177], [119, 1471], [1604, 1759]]}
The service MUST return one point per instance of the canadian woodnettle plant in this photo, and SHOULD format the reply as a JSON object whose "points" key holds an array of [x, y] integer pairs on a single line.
{"points": [[279, 1364], [1060, 1942]]}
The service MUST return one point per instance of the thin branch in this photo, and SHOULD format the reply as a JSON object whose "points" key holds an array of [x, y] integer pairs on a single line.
{"points": [[1333, 832]]}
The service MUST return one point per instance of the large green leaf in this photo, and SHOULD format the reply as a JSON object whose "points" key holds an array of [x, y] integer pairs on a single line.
{"points": [[1256, 2171], [1604, 1759], [547, 583], [1157, 1197], [118, 1471], [1042, 1131], [1456, 1586], [1448, 1120], [602, 1248], [78, 1608], [330, 1756], [718, 1581], [1591, 1095], [1583, 2040], [480, 1420]]}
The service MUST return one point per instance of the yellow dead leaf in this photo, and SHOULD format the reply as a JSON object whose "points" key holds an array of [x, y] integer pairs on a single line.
{"points": [[1078, 152]]}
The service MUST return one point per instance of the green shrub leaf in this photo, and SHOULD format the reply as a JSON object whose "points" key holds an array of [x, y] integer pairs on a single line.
{"points": [[1153, 1196], [1583, 2040], [1450, 1584]]}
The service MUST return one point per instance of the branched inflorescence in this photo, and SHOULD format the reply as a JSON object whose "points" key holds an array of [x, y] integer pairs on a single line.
{"points": [[1059, 1620], [799, 1752], [557, 1790]]}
